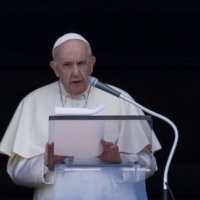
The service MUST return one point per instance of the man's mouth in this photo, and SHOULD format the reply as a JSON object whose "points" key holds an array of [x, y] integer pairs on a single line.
{"points": [[76, 82]]}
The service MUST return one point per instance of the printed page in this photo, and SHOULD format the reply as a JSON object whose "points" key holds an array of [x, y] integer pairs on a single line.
{"points": [[79, 137]]}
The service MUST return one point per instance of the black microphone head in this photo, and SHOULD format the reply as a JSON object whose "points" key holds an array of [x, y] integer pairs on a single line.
{"points": [[92, 81]]}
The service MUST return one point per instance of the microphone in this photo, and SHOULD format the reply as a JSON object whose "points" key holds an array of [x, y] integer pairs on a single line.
{"points": [[95, 83]]}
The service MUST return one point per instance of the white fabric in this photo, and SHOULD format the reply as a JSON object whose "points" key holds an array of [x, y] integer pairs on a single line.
{"points": [[27, 135], [107, 184], [29, 172]]}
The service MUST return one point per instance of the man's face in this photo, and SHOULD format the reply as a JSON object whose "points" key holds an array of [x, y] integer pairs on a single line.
{"points": [[73, 65]]}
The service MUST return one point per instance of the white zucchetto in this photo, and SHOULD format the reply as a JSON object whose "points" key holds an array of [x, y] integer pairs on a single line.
{"points": [[66, 37]]}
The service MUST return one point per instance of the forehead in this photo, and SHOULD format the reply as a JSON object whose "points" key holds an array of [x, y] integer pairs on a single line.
{"points": [[72, 48]]}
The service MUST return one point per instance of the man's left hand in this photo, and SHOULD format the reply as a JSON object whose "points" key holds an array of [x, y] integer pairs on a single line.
{"points": [[110, 153]]}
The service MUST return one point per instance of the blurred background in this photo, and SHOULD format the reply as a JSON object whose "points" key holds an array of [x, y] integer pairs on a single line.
{"points": [[151, 49]]}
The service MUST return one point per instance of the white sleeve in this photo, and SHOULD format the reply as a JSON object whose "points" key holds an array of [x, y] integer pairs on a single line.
{"points": [[145, 156], [29, 172]]}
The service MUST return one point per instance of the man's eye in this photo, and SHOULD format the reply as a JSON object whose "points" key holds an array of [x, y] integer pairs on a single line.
{"points": [[81, 63], [67, 65]]}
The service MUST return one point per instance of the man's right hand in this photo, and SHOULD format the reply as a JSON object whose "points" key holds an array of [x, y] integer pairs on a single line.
{"points": [[50, 158]]}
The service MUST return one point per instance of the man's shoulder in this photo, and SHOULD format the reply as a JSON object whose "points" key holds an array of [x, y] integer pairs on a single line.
{"points": [[43, 91]]}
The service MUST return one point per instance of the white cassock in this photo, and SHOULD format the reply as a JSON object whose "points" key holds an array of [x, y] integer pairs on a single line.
{"points": [[27, 135]]}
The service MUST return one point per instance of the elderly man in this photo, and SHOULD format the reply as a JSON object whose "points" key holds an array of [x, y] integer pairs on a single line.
{"points": [[27, 133]]}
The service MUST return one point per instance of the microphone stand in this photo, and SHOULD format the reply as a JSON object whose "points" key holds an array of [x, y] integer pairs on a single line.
{"points": [[95, 83], [165, 178]]}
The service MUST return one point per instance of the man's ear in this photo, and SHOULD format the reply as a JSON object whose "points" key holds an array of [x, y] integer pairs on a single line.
{"points": [[53, 65], [92, 62]]}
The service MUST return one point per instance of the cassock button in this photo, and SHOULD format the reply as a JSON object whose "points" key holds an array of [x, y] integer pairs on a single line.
{"points": [[85, 191]]}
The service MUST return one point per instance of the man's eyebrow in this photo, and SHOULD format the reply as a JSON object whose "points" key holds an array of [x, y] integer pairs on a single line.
{"points": [[82, 61], [67, 62]]}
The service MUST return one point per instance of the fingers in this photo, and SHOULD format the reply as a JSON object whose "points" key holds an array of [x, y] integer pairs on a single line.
{"points": [[51, 148], [49, 155], [46, 154], [110, 152], [59, 159], [114, 147], [108, 144], [49, 158]]}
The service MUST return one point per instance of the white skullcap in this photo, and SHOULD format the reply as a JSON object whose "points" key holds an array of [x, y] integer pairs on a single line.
{"points": [[68, 36]]}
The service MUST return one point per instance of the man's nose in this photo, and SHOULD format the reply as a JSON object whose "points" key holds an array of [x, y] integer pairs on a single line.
{"points": [[75, 70]]}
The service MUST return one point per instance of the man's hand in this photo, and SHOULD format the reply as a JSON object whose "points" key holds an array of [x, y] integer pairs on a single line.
{"points": [[50, 158], [110, 153]]}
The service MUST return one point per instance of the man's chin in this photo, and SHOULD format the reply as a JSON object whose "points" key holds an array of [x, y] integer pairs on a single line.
{"points": [[78, 91]]}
